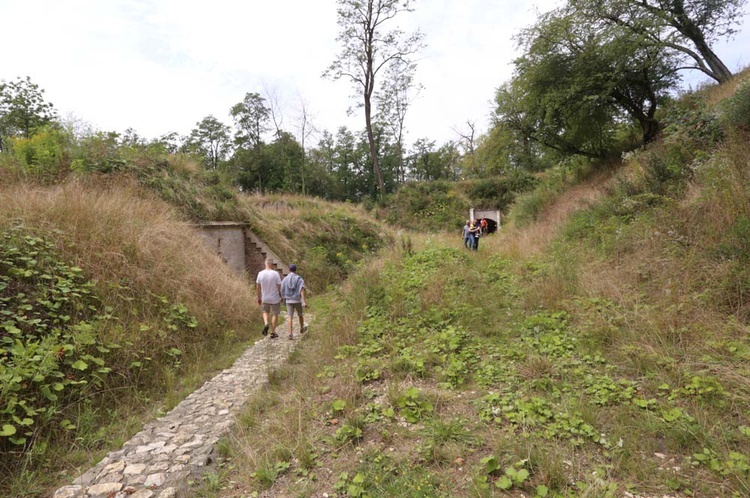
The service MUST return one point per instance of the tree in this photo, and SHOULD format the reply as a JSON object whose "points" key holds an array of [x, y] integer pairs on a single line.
{"points": [[275, 108], [306, 128], [22, 109], [251, 121], [468, 138], [674, 24], [429, 164], [367, 49], [393, 102], [211, 138], [579, 82]]}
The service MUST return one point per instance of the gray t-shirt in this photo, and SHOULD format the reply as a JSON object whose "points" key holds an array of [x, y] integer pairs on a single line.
{"points": [[269, 281]]}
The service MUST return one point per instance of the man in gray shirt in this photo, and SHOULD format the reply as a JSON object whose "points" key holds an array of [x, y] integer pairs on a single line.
{"points": [[268, 289]]}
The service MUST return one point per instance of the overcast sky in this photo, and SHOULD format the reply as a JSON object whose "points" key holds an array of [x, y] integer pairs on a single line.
{"points": [[159, 66]]}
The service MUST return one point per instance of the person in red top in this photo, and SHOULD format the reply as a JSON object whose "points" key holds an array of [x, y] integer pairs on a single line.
{"points": [[483, 224]]}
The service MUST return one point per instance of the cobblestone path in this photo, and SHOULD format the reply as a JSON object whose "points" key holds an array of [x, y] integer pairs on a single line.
{"points": [[159, 461]]}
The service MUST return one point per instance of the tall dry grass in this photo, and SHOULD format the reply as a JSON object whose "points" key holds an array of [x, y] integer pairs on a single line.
{"points": [[145, 261], [119, 233], [523, 241]]}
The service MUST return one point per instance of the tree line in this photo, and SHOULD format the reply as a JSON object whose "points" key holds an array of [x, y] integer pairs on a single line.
{"points": [[590, 81]]}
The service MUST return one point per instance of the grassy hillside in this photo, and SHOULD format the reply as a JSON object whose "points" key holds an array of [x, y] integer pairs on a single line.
{"points": [[596, 347], [444, 205], [113, 309]]}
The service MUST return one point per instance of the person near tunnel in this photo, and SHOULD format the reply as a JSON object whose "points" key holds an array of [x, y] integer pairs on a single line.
{"points": [[475, 231]]}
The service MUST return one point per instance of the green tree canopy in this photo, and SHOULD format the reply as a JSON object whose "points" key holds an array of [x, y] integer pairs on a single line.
{"points": [[22, 109], [210, 138], [686, 26], [579, 82]]}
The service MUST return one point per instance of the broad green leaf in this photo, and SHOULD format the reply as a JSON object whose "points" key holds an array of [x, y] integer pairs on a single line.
{"points": [[80, 365], [490, 464], [8, 430], [521, 476], [504, 483]]}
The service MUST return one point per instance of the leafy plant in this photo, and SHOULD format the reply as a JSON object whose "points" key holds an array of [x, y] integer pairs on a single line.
{"points": [[352, 431], [49, 350], [412, 406]]}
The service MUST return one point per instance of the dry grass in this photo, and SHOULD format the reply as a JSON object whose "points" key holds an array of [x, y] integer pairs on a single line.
{"points": [[716, 93], [534, 239], [119, 231]]}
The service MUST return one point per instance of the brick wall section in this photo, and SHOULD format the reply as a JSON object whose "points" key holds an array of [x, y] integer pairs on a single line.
{"points": [[255, 260], [240, 248]]}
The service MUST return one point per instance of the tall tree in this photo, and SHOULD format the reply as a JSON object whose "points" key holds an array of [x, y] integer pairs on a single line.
{"points": [[393, 102], [22, 109], [275, 106], [368, 47], [306, 128], [211, 138], [251, 122], [579, 81], [687, 26]]}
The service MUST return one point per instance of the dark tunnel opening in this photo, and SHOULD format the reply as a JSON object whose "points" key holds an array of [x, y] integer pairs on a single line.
{"points": [[491, 225]]}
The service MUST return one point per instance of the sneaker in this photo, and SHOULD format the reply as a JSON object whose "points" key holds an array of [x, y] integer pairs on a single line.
{"points": [[274, 335], [304, 329], [265, 330], [291, 337]]}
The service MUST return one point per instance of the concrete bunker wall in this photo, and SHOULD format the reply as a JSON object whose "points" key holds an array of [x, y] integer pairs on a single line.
{"points": [[491, 215], [239, 248]]}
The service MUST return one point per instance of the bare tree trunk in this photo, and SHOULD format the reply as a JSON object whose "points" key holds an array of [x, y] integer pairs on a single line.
{"points": [[373, 147]]}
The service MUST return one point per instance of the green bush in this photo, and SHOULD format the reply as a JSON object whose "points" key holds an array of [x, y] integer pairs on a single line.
{"points": [[98, 153], [50, 352], [667, 168], [499, 192], [42, 154], [690, 122], [427, 206], [735, 111]]}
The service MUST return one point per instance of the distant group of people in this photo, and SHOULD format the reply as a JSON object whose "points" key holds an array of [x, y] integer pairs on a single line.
{"points": [[472, 231], [271, 290]]}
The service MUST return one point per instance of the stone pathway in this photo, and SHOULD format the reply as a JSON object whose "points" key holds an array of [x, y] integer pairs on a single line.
{"points": [[159, 461]]}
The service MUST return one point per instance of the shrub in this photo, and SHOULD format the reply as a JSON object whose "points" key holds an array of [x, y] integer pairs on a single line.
{"points": [[99, 153], [499, 192], [42, 154], [50, 350], [691, 123], [735, 111]]}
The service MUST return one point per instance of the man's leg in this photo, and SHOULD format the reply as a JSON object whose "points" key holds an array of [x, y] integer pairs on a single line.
{"points": [[265, 321]]}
